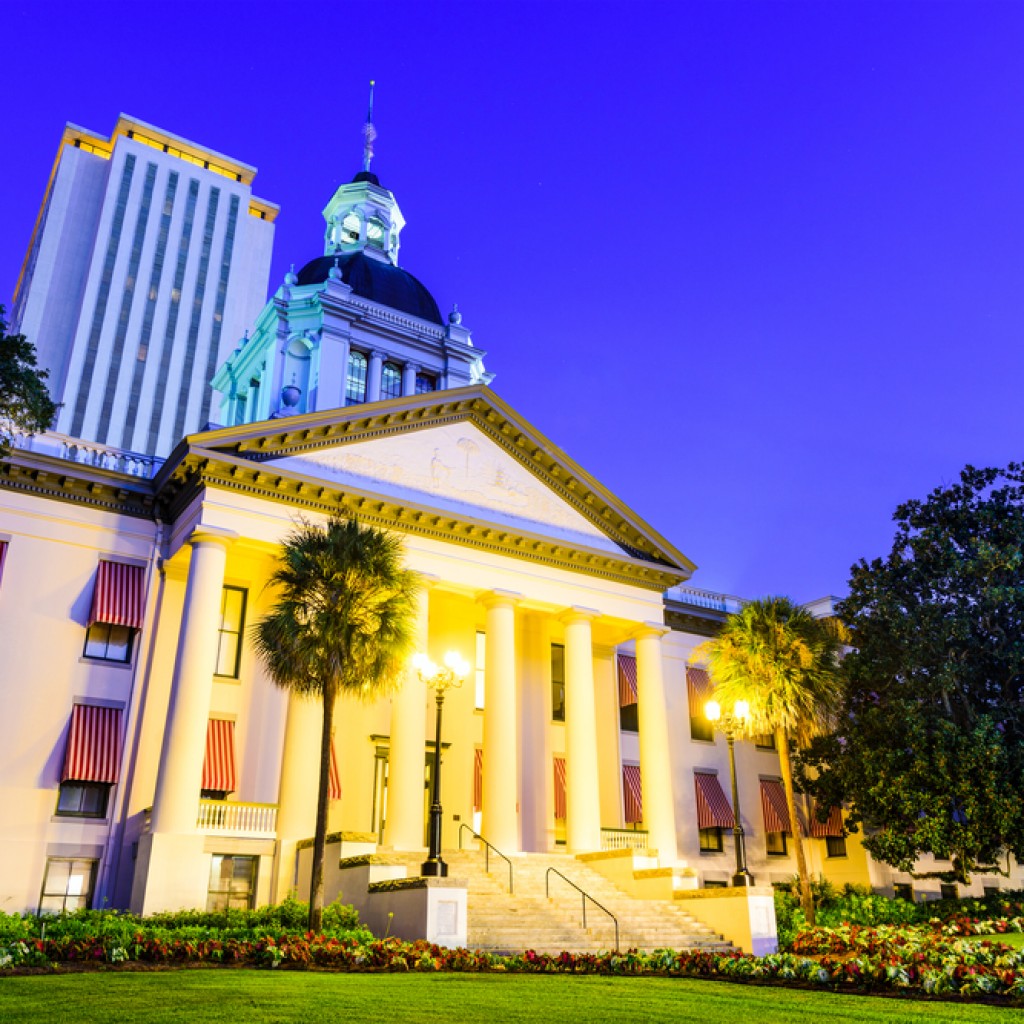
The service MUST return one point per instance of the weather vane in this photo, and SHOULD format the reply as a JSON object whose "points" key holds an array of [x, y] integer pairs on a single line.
{"points": [[369, 133]]}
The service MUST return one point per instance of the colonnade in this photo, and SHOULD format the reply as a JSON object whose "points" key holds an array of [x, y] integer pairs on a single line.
{"points": [[179, 779]]}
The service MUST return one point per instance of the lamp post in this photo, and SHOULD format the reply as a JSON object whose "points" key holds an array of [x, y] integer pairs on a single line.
{"points": [[440, 679], [731, 724]]}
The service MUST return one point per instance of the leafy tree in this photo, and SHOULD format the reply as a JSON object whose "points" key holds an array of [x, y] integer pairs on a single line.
{"points": [[782, 661], [929, 749], [25, 403], [342, 625]]}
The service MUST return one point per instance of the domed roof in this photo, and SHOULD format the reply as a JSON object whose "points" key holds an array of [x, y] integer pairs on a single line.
{"points": [[377, 281]]}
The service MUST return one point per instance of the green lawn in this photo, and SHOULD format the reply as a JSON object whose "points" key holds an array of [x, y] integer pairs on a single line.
{"points": [[1010, 938], [266, 997]]}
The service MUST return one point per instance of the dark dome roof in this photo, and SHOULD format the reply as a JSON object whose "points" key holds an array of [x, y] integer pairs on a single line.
{"points": [[377, 281]]}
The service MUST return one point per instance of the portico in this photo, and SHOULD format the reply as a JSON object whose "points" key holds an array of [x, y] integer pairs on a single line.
{"points": [[528, 582]]}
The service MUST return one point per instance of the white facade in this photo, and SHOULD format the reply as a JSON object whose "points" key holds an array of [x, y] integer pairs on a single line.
{"points": [[149, 259]]}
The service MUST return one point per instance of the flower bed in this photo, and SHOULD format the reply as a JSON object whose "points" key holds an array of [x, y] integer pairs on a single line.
{"points": [[859, 959]]}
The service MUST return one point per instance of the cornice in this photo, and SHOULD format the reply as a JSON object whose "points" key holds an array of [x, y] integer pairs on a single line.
{"points": [[206, 468], [105, 490]]}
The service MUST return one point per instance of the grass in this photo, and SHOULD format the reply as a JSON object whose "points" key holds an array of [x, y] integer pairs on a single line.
{"points": [[242, 996], [1015, 939]]}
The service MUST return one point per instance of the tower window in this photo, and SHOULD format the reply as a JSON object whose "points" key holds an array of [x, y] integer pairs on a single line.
{"points": [[390, 381], [355, 385], [350, 229]]}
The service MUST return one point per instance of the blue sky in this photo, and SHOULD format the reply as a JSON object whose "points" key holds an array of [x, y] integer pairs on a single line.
{"points": [[756, 266]]}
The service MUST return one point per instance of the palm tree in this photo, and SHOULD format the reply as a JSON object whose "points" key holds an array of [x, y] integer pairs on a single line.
{"points": [[343, 624], [783, 662]]}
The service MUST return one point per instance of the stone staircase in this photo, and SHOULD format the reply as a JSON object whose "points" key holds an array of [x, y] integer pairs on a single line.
{"points": [[527, 919]]}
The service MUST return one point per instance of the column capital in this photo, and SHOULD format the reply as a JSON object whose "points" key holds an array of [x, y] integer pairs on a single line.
{"points": [[646, 630], [578, 614], [212, 535], [413, 367], [499, 598], [379, 354]]}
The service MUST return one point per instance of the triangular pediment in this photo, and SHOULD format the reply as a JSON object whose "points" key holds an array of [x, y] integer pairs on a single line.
{"points": [[458, 463], [455, 468]]}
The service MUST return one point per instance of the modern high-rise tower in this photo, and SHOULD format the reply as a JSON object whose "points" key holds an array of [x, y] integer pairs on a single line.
{"points": [[149, 258]]}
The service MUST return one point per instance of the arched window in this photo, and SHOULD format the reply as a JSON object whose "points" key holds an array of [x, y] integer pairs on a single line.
{"points": [[390, 381], [355, 383], [425, 382], [350, 228]]}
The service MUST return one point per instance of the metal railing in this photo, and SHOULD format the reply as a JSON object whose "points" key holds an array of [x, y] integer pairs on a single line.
{"points": [[623, 839], [229, 816], [586, 896], [88, 453], [488, 848]]}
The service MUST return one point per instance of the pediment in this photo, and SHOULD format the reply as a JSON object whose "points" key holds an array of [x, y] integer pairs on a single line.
{"points": [[430, 462], [454, 468]]}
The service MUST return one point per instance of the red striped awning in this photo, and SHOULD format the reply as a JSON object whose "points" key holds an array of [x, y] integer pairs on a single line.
{"points": [[560, 801], [334, 777], [632, 794], [713, 808], [773, 806], [699, 688], [830, 828], [478, 779], [3, 555], [93, 752], [219, 763], [120, 595], [627, 680]]}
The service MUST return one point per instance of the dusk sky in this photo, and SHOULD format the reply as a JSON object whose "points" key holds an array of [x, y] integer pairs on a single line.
{"points": [[758, 267]]}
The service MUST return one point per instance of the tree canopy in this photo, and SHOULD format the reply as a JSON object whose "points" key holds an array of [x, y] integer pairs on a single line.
{"points": [[25, 404], [929, 749], [342, 623], [775, 656]]}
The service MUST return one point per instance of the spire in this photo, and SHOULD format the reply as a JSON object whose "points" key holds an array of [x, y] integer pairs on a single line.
{"points": [[369, 133]]}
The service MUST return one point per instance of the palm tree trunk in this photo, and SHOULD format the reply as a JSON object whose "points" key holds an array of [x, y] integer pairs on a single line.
{"points": [[806, 896], [316, 885]]}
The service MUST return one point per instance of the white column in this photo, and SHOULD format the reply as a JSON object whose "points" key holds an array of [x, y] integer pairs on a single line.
{"points": [[176, 803], [536, 814], [409, 372], [403, 829], [300, 784], [501, 727], [655, 757], [582, 797], [373, 376]]}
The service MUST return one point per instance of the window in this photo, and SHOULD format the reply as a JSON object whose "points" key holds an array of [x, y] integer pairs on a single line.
{"points": [[557, 683], [109, 643], [117, 611], [355, 383], [775, 844], [835, 846], [711, 840], [229, 638], [390, 381], [83, 799], [67, 885], [991, 890], [628, 715], [903, 891], [711, 884], [232, 882], [948, 891], [425, 382], [478, 671], [765, 741], [698, 687]]}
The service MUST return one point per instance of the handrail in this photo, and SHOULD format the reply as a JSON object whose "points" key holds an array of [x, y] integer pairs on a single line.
{"points": [[586, 896], [487, 848]]}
